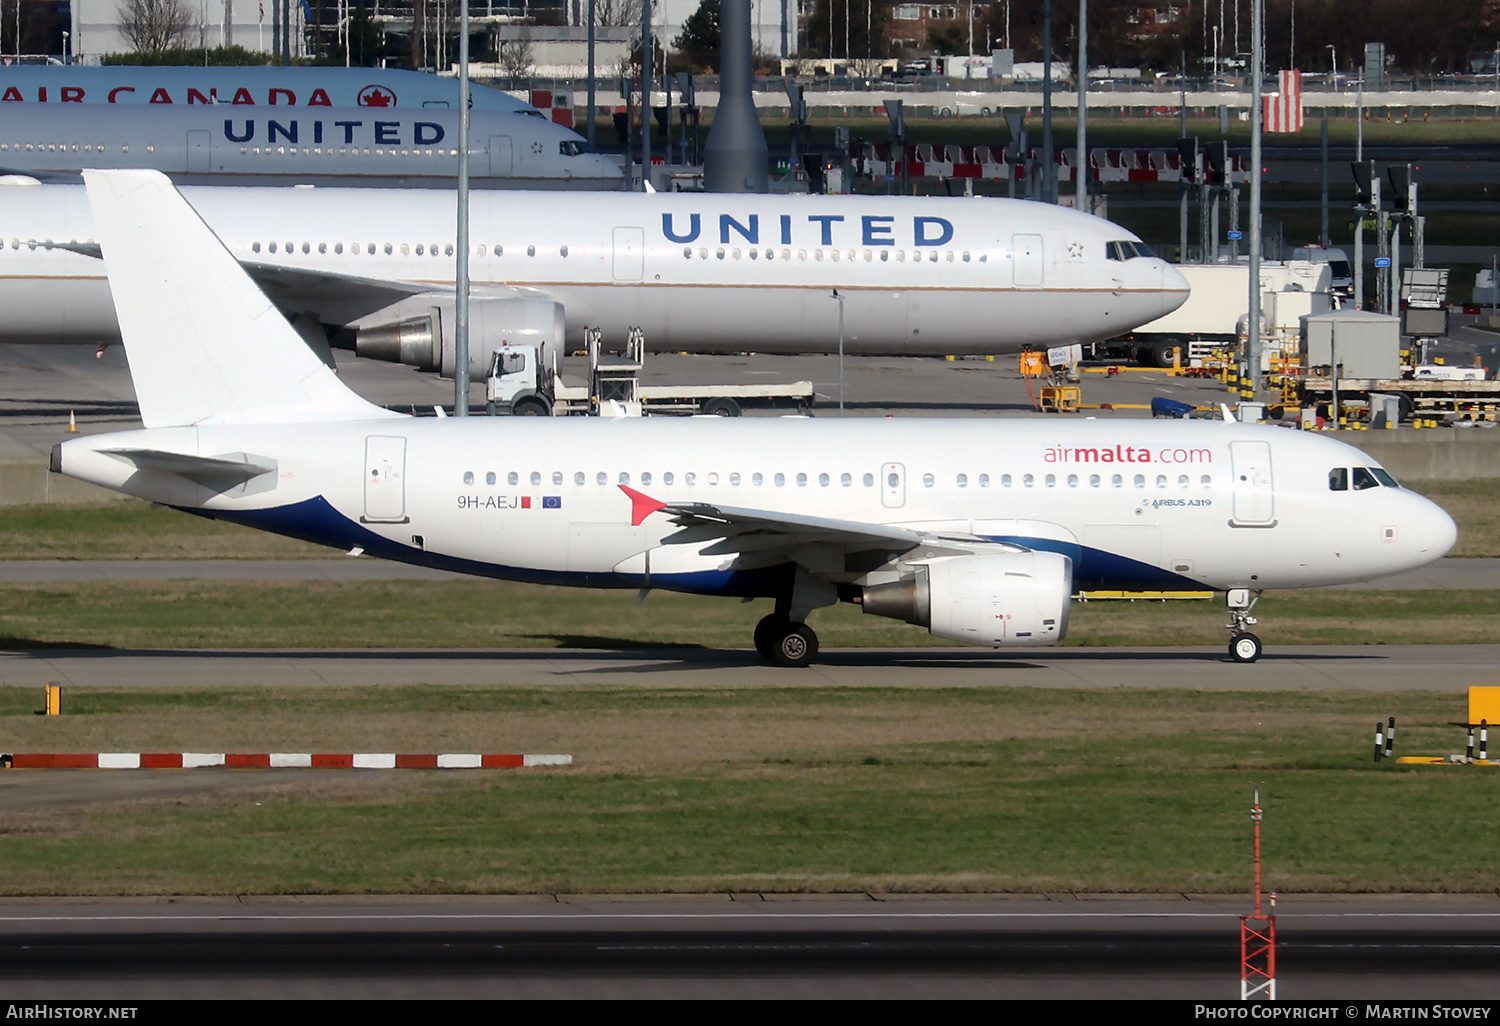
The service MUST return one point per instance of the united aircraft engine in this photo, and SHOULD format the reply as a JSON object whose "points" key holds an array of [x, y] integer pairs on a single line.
{"points": [[1007, 598], [419, 332]]}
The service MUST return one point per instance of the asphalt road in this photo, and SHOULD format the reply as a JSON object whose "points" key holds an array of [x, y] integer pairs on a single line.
{"points": [[745, 946], [1359, 667]]}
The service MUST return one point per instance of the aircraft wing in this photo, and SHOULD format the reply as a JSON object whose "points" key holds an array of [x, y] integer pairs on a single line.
{"points": [[293, 288], [751, 537]]}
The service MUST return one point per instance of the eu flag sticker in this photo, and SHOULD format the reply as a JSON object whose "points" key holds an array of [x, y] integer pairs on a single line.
{"points": [[552, 502]]}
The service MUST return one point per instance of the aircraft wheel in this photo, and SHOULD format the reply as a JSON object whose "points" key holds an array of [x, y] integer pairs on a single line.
{"points": [[1244, 647], [794, 645], [766, 633]]}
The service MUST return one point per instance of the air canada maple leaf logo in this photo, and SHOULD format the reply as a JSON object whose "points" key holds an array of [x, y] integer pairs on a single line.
{"points": [[376, 96]]}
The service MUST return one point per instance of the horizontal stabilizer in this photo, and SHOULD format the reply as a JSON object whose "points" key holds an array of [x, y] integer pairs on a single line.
{"points": [[219, 472], [205, 345]]}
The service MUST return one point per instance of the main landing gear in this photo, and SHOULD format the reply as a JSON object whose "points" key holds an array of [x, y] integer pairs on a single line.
{"points": [[1244, 647], [784, 638], [785, 643]]}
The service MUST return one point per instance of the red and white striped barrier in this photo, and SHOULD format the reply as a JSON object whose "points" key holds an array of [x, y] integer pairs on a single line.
{"points": [[273, 760], [1282, 112], [929, 160]]}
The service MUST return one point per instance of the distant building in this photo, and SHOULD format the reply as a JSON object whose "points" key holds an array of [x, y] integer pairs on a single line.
{"points": [[96, 27], [910, 23]]}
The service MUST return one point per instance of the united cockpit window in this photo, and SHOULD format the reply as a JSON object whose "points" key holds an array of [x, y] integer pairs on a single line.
{"points": [[1338, 479], [573, 147], [1364, 479], [1127, 250]]}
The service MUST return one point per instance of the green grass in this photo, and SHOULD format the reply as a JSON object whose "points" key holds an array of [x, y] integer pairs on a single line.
{"points": [[472, 613], [135, 529], [772, 789]]}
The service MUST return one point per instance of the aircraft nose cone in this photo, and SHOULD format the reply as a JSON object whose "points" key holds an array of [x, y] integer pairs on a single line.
{"points": [[1436, 532], [1174, 288]]}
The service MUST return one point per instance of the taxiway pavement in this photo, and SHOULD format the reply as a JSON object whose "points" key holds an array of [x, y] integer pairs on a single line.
{"points": [[1404, 947], [1295, 667]]}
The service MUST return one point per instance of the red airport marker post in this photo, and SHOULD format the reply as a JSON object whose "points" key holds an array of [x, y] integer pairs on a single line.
{"points": [[1258, 935]]}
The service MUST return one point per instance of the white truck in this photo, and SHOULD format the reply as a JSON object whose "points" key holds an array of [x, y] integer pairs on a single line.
{"points": [[524, 382], [1220, 298]]}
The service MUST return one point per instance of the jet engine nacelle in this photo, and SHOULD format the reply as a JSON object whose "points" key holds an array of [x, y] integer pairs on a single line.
{"points": [[419, 332], [1008, 598]]}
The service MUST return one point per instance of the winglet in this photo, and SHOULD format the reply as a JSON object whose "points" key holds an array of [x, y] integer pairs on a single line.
{"points": [[641, 506], [1228, 413]]}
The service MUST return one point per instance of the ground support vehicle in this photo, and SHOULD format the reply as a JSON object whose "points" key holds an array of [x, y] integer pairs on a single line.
{"points": [[1208, 326], [524, 381], [1421, 401]]}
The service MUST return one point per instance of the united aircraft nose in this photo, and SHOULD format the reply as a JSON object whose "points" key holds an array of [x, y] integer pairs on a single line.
{"points": [[1174, 288]]}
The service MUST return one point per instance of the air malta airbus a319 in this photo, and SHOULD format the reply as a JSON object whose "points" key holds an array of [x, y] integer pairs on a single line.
{"points": [[978, 530], [696, 272]]}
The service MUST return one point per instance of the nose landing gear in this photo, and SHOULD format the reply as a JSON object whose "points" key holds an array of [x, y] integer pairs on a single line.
{"points": [[1244, 647]]}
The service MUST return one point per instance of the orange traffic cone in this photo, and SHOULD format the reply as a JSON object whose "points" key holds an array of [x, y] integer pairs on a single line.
{"points": [[72, 423]]}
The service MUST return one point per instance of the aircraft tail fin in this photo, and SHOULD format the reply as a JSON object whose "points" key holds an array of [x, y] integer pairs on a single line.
{"points": [[205, 344]]}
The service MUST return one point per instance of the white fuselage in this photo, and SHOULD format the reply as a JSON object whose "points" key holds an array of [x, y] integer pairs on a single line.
{"points": [[320, 146], [1137, 504], [697, 272]]}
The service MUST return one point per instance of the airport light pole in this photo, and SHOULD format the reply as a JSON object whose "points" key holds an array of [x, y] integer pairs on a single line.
{"points": [[837, 295], [461, 280], [646, 58], [1049, 173], [1081, 170], [1257, 72], [593, 74]]}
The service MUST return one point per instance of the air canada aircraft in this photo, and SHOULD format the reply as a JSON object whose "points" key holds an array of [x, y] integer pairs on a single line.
{"points": [[978, 530], [242, 87], [346, 146], [696, 272]]}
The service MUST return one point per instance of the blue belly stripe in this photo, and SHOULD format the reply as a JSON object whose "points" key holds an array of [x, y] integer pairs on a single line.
{"points": [[315, 520]]}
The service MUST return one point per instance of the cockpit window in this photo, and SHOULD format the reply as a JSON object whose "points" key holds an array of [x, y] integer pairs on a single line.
{"points": [[1364, 477], [574, 147], [1127, 250]]}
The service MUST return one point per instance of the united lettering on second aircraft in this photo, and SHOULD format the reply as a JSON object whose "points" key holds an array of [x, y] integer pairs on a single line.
{"points": [[384, 133], [872, 229]]}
